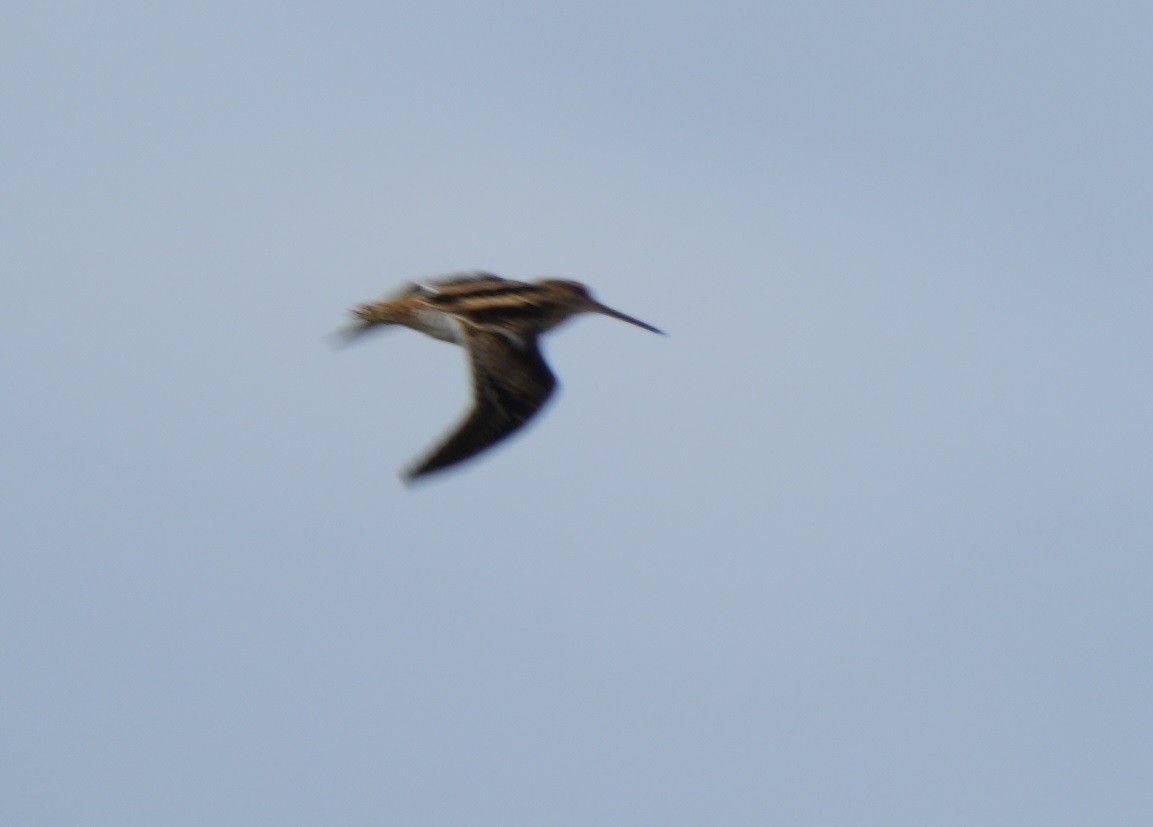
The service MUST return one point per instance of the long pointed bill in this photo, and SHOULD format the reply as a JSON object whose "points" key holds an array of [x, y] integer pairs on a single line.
{"points": [[616, 314]]}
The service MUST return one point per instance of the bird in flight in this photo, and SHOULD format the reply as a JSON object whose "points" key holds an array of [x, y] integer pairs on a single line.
{"points": [[497, 321]]}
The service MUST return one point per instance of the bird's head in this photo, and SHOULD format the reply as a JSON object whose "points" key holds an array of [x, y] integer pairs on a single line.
{"points": [[577, 296]]}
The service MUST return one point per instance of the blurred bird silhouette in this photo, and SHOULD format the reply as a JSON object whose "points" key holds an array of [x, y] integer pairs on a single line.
{"points": [[498, 322]]}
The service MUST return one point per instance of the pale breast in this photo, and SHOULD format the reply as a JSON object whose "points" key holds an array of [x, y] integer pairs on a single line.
{"points": [[439, 325]]}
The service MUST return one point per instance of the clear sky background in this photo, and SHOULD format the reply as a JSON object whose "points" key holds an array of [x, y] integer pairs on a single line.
{"points": [[867, 540]]}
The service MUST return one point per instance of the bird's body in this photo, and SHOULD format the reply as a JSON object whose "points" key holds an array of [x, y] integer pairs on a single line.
{"points": [[497, 321]]}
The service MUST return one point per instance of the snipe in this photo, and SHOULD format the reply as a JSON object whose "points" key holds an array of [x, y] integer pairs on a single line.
{"points": [[497, 321]]}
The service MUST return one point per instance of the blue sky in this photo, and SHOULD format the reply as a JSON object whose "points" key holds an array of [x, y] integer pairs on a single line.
{"points": [[866, 540]]}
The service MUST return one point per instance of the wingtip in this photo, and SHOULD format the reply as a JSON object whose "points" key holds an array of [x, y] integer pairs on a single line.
{"points": [[420, 469], [410, 475], [415, 477]]}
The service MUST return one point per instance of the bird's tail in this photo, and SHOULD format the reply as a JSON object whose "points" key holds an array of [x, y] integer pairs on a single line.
{"points": [[355, 331], [370, 316], [348, 334]]}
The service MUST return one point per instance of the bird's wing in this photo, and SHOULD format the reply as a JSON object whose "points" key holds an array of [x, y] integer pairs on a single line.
{"points": [[510, 384]]}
